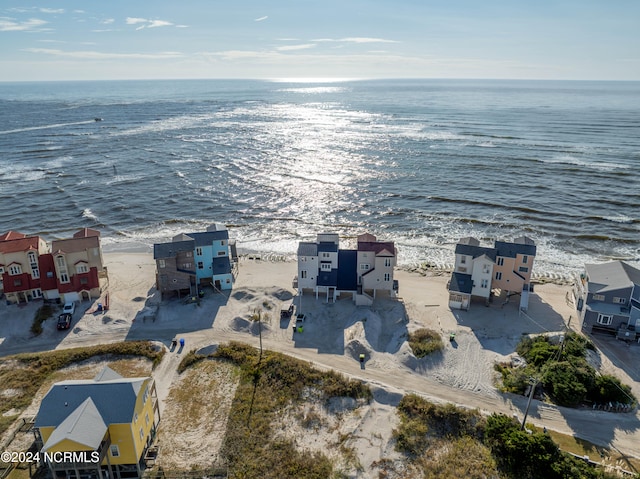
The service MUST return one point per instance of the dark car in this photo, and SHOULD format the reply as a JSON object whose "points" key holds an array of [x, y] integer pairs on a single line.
{"points": [[64, 321]]}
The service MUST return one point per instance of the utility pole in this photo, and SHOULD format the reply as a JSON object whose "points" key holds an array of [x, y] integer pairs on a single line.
{"points": [[526, 411]]}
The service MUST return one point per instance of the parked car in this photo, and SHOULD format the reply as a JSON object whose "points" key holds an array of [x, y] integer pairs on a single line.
{"points": [[69, 308], [64, 321]]}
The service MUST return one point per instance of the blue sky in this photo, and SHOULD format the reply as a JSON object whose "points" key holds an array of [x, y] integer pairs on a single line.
{"points": [[519, 39]]}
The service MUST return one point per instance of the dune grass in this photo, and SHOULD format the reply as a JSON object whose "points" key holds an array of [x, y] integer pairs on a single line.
{"points": [[424, 342]]}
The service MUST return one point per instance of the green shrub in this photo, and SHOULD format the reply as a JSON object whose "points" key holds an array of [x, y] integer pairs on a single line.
{"points": [[566, 383], [608, 388], [43, 313], [424, 342]]}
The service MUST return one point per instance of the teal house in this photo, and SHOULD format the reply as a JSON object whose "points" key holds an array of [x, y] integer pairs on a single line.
{"points": [[195, 260], [213, 257]]}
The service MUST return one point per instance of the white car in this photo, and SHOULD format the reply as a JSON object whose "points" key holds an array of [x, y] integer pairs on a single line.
{"points": [[69, 308]]}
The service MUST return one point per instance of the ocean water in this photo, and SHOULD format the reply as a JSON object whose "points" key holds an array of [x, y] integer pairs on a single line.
{"points": [[420, 162]]}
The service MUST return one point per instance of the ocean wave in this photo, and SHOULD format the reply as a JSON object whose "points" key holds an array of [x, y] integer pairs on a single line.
{"points": [[571, 160], [87, 213]]}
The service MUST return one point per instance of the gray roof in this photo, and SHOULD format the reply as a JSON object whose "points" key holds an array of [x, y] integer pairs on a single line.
{"points": [[84, 426], [170, 250], [461, 283], [327, 246], [115, 400], [511, 250], [307, 249], [611, 276], [475, 251], [208, 237]]}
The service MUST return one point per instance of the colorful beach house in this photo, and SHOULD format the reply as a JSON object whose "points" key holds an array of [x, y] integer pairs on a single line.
{"points": [[194, 260], [107, 424], [20, 270], [29, 269], [363, 273], [479, 270], [79, 267], [608, 299]]}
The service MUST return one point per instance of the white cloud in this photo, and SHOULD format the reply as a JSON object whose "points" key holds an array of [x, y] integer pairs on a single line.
{"points": [[296, 47], [356, 40], [108, 21], [51, 10], [146, 23], [159, 23], [134, 21], [261, 19], [11, 25], [92, 55]]}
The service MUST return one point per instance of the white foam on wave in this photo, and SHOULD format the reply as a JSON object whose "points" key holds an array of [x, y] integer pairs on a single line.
{"points": [[87, 213], [572, 160]]}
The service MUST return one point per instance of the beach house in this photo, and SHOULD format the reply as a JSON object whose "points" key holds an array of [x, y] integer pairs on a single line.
{"points": [[79, 267], [70, 270], [195, 260], [97, 428], [608, 299], [20, 271], [480, 270], [363, 273]]}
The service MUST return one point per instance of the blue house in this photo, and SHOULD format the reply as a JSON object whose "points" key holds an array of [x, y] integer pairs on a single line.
{"points": [[193, 260]]}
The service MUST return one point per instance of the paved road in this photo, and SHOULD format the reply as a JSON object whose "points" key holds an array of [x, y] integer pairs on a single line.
{"points": [[618, 430]]}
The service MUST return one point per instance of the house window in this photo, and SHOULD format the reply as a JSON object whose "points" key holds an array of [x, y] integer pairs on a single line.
{"points": [[525, 259], [303, 274], [486, 269], [463, 259], [17, 282], [200, 265], [62, 269], [484, 283], [36, 293], [15, 269], [222, 253], [387, 262], [82, 268], [228, 281], [33, 262], [619, 300], [84, 281], [223, 242], [462, 269], [189, 254], [598, 297], [141, 434], [187, 265], [115, 452], [145, 395], [523, 269], [1, 270], [500, 261], [325, 255], [135, 417], [199, 251], [325, 266], [498, 275], [303, 259], [146, 419], [605, 319], [364, 266], [161, 263], [387, 277]]}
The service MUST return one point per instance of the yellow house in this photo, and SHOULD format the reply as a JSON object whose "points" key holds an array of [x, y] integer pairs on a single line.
{"points": [[99, 428]]}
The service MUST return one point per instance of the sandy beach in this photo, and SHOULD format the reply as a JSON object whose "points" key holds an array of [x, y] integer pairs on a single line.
{"points": [[336, 334]]}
